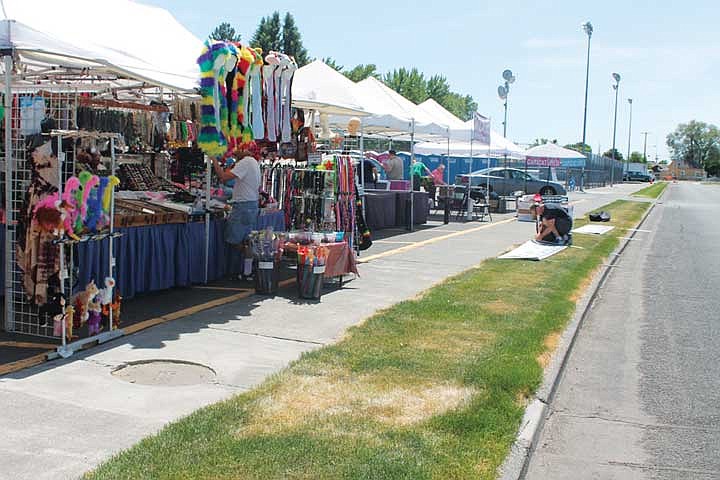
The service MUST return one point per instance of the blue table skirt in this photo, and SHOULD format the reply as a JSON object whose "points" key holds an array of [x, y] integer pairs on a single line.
{"points": [[158, 257]]}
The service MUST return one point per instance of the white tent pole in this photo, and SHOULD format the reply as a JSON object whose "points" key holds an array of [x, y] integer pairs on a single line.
{"points": [[362, 159], [447, 160], [487, 177], [468, 209], [9, 220], [61, 253], [208, 176], [412, 187], [111, 251]]}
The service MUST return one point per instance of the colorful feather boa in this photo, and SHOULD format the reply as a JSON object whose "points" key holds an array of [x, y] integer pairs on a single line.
{"points": [[216, 61]]}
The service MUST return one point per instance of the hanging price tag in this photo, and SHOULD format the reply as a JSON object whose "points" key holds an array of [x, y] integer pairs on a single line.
{"points": [[64, 274], [319, 269], [314, 158], [266, 265], [61, 157], [112, 262]]}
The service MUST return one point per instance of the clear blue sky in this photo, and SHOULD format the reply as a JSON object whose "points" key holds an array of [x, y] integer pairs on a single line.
{"points": [[666, 51]]}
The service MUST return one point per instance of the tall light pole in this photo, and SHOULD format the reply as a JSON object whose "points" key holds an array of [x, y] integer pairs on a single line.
{"points": [[645, 146], [588, 28], [503, 92], [616, 87], [629, 130]]}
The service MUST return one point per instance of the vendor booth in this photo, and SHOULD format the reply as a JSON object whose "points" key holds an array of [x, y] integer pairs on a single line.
{"points": [[77, 94], [108, 191]]}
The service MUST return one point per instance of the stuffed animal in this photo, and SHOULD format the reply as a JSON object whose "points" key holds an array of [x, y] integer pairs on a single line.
{"points": [[65, 317], [82, 302], [47, 216], [59, 318], [94, 317], [105, 295], [115, 305], [69, 316], [53, 306]]}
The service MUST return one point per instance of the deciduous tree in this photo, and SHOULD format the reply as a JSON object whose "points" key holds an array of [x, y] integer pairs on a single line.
{"points": [[696, 144], [361, 72], [609, 154]]}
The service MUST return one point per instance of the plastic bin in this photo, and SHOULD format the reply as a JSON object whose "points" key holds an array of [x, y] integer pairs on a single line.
{"points": [[310, 281], [267, 275]]}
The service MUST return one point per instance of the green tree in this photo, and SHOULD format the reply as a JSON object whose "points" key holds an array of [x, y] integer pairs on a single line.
{"points": [[462, 106], [292, 41], [696, 144], [637, 157], [267, 36], [361, 72], [580, 147], [437, 88], [542, 141], [332, 64], [609, 154], [226, 32], [411, 84]]}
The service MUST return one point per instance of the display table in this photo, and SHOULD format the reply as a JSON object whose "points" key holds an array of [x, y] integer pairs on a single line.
{"points": [[340, 260], [157, 257], [388, 209]]}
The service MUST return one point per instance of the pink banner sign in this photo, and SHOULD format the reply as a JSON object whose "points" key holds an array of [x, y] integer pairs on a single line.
{"points": [[543, 162]]}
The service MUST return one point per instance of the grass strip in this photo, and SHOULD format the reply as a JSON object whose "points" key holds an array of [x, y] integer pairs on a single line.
{"points": [[431, 388], [653, 191]]}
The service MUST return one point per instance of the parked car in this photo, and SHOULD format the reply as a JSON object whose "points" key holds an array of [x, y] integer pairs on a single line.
{"points": [[635, 176], [505, 181]]}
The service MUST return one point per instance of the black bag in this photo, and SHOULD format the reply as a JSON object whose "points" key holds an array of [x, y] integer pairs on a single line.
{"points": [[600, 217]]}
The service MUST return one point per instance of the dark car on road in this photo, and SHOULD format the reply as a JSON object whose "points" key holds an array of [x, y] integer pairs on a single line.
{"points": [[505, 181], [635, 176]]}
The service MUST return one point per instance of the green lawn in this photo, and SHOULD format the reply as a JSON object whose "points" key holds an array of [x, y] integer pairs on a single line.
{"points": [[433, 387], [653, 191]]}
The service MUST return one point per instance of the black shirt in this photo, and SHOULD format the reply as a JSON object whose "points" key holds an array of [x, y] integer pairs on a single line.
{"points": [[554, 210], [368, 171]]}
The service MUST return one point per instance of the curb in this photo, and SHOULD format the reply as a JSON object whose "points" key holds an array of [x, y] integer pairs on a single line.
{"points": [[516, 463]]}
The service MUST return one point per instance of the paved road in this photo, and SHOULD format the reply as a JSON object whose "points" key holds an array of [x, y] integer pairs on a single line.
{"points": [[62, 418], [640, 398]]}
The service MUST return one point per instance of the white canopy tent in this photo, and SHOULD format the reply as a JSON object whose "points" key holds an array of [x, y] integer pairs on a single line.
{"points": [[438, 112], [121, 43], [391, 114], [499, 146], [552, 151], [321, 88]]}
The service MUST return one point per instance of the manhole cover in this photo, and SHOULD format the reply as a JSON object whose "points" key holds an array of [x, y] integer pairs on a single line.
{"points": [[168, 373]]}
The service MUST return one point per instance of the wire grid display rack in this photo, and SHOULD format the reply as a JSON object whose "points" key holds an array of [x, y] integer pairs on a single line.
{"points": [[21, 314], [22, 111]]}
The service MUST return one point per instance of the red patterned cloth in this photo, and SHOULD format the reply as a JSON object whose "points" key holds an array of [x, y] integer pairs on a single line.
{"points": [[340, 261]]}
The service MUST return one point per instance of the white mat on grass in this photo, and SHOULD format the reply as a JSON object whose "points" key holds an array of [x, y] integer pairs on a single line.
{"points": [[593, 229], [532, 250]]}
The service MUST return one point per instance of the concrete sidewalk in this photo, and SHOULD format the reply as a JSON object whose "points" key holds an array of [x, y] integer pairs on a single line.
{"points": [[64, 417]]}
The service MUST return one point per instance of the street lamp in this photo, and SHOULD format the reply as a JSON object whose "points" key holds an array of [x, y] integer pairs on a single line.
{"points": [[588, 28], [645, 145], [629, 131], [503, 92], [616, 87]]}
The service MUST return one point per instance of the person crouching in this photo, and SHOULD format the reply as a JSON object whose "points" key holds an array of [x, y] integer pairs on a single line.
{"points": [[554, 223]]}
